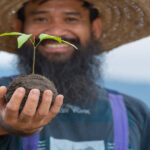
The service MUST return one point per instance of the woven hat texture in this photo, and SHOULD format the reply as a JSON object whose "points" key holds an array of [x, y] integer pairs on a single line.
{"points": [[123, 21]]}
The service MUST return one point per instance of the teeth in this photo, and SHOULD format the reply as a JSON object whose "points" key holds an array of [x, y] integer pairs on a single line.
{"points": [[57, 45]]}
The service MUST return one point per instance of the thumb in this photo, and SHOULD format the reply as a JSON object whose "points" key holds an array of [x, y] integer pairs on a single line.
{"points": [[3, 91]]}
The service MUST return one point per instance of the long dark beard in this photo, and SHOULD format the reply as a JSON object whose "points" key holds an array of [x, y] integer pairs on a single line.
{"points": [[75, 78]]}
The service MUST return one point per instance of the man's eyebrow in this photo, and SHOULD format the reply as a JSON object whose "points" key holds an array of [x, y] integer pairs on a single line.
{"points": [[72, 13], [37, 12]]}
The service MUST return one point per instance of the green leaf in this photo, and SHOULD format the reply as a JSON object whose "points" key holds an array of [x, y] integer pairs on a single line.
{"points": [[22, 39], [11, 33], [69, 44], [46, 36]]}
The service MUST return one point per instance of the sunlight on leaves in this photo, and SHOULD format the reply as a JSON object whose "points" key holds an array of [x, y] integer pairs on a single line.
{"points": [[22, 39], [46, 36], [69, 44], [11, 33]]}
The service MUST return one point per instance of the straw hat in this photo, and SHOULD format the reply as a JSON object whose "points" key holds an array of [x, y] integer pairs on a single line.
{"points": [[123, 21]]}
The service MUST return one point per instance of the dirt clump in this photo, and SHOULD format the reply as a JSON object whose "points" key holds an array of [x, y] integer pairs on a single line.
{"points": [[32, 81]]}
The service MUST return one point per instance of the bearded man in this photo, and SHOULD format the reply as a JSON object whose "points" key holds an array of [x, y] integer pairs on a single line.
{"points": [[88, 116]]}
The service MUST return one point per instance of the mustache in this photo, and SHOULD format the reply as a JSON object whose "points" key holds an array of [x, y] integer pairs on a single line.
{"points": [[75, 41]]}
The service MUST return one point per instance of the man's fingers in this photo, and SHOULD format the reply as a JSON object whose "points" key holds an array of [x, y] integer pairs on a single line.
{"points": [[54, 110], [57, 105], [43, 109], [3, 91], [31, 105], [12, 107]]}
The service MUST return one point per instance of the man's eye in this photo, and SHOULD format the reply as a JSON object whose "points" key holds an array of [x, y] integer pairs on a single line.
{"points": [[40, 19], [71, 19]]}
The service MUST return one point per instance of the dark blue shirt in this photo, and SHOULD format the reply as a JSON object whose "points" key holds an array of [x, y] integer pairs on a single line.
{"points": [[75, 128]]}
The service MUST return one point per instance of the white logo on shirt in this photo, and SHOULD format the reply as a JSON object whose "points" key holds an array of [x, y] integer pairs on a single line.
{"points": [[61, 144], [74, 109]]}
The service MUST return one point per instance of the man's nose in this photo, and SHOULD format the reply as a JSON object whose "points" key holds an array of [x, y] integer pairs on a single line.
{"points": [[56, 29]]}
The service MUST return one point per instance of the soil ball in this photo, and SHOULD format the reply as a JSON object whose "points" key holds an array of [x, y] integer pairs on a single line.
{"points": [[32, 81]]}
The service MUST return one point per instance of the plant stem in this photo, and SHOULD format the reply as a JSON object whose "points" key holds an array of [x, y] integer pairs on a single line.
{"points": [[33, 67], [34, 53]]}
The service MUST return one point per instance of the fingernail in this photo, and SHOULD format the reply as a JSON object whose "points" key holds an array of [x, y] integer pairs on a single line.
{"points": [[35, 91], [48, 92], [21, 89], [2, 86], [61, 95]]}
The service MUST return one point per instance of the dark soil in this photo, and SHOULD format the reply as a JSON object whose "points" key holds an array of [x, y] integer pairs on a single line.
{"points": [[32, 81]]}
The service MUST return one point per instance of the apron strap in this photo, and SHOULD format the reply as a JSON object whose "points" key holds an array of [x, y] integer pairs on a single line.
{"points": [[120, 121], [31, 142]]}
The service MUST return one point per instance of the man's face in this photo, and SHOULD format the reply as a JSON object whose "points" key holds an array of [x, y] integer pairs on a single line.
{"points": [[64, 18]]}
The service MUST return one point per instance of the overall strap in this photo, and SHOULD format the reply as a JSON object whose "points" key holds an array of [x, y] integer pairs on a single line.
{"points": [[119, 113], [31, 142]]}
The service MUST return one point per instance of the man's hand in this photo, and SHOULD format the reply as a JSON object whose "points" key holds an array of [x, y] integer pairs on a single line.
{"points": [[31, 119]]}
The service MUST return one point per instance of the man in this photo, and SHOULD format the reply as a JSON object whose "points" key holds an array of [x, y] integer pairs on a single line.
{"points": [[91, 118]]}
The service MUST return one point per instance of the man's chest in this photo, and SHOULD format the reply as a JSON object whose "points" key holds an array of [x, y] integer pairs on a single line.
{"points": [[80, 131]]}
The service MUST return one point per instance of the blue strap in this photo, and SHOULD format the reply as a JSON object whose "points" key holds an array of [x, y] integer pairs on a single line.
{"points": [[121, 134], [31, 142]]}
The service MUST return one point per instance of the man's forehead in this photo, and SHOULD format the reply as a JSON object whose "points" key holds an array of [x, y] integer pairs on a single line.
{"points": [[56, 2], [53, 4]]}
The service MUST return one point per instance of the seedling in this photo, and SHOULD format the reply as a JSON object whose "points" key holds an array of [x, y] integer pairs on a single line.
{"points": [[33, 80], [22, 38]]}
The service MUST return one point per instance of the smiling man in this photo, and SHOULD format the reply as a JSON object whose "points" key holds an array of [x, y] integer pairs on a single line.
{"points": [[67, 19], [91, 117]]}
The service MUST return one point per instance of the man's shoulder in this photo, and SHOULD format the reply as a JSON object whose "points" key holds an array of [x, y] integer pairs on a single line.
{"points": [[135, 104], [129, 101], [136, 108]]}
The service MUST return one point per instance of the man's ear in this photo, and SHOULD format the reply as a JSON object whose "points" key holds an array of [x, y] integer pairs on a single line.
{"points": [[97, 27], [17, 25]]}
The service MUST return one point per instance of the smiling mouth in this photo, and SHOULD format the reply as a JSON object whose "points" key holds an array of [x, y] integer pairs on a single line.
{"points": [[56, 47], [62, 45]]}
